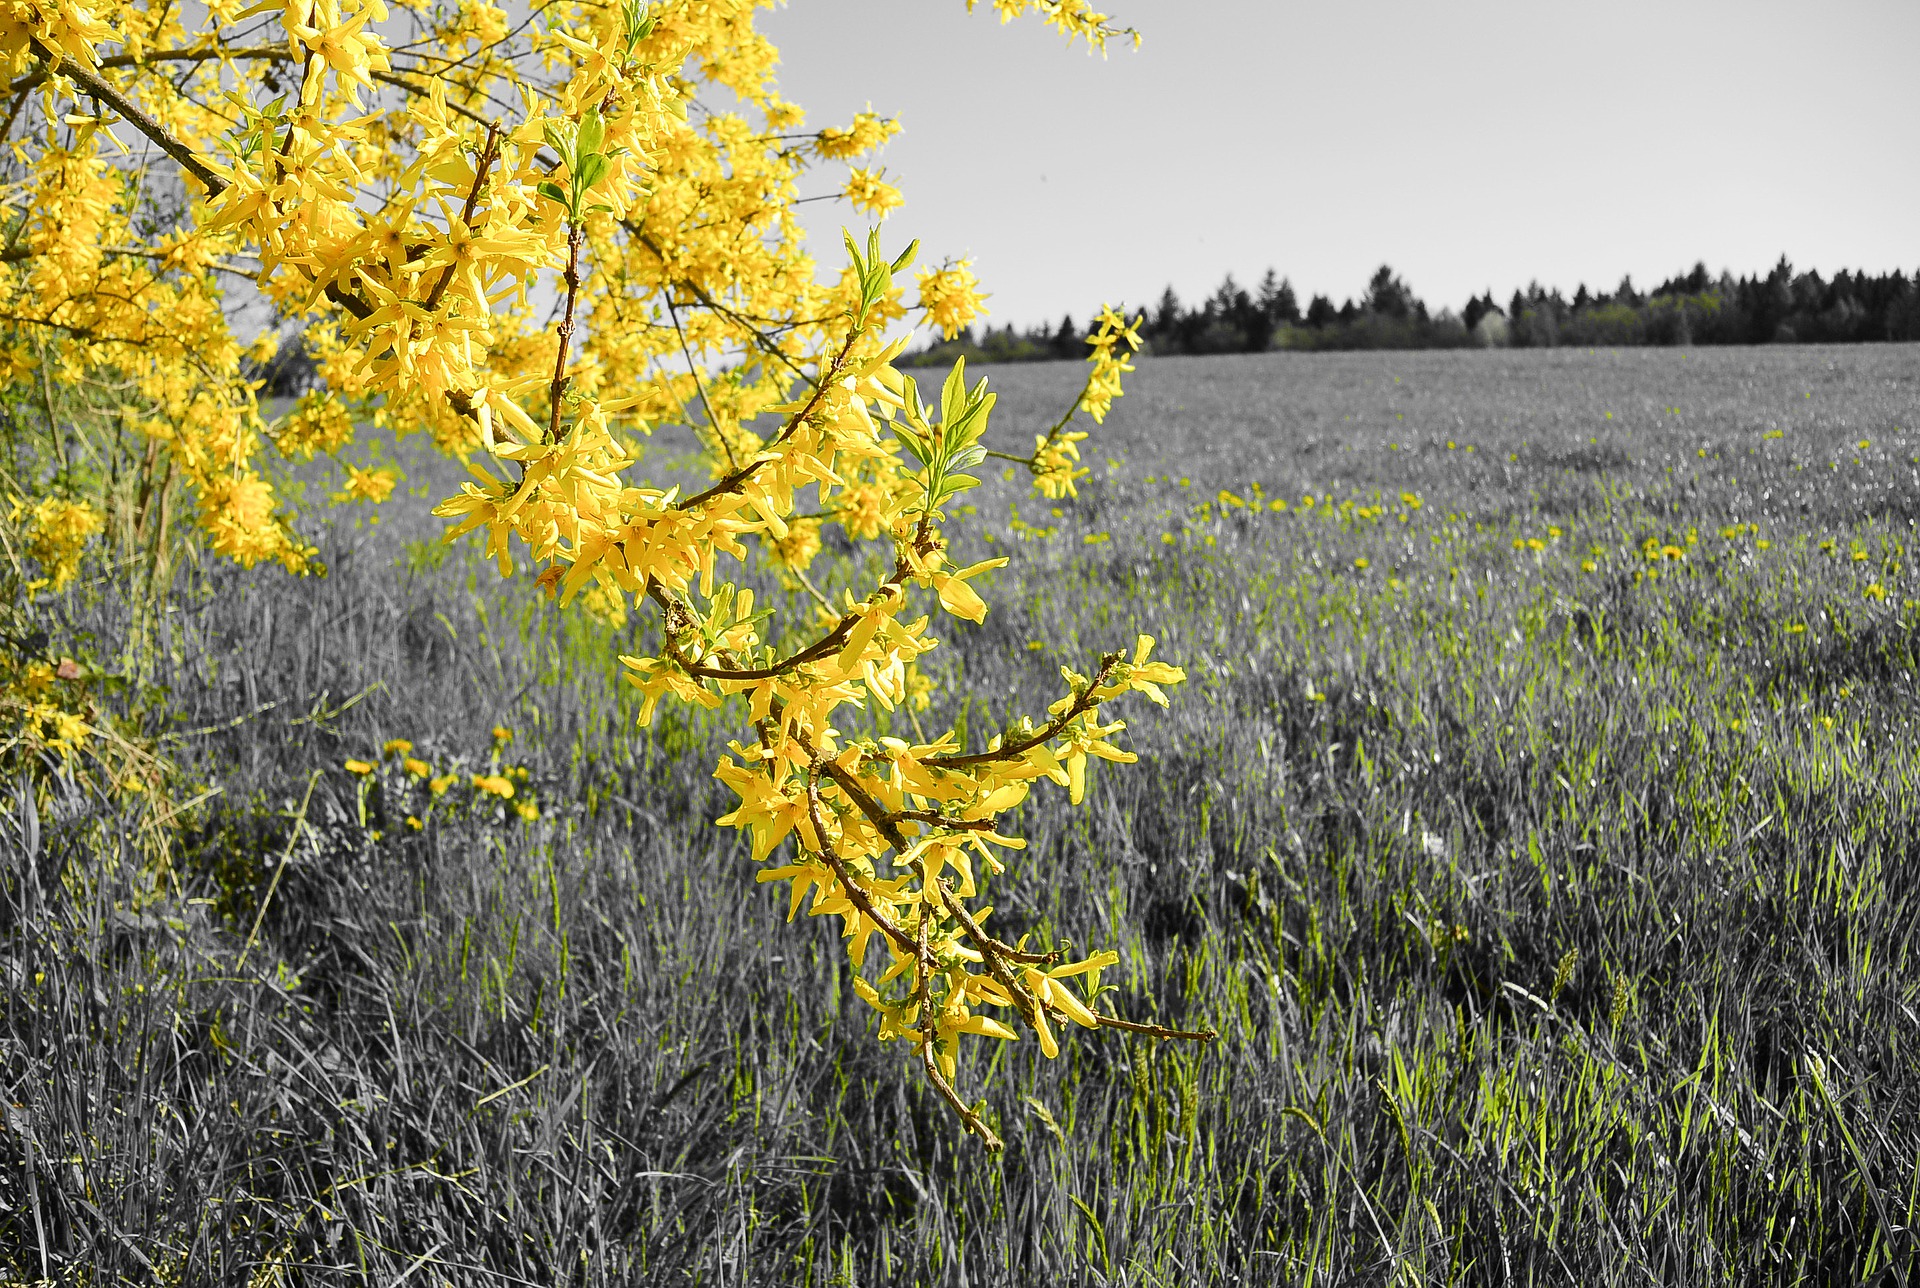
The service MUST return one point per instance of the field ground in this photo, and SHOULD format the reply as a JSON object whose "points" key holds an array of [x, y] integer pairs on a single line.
{"points": [[1539, 828]]}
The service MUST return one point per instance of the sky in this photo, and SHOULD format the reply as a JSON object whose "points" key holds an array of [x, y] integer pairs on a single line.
{"points": [[1471, 144]]}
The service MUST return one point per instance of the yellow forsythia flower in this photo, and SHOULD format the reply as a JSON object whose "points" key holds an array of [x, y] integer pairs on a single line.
{"points": [[868, 131], [57, 532], [870, 193], [951, 297]]}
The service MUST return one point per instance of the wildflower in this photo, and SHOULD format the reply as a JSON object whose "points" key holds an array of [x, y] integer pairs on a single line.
{"points": [[396, 747], [494, 785], [1588, 565], [418, 768], [414, 823], [372, 486], [502, 735], [1796, 628], [360, 767], [440, 785], [527, 810]]}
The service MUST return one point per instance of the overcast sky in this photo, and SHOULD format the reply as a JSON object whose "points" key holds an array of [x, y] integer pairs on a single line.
{"points": [[1471, 144]]}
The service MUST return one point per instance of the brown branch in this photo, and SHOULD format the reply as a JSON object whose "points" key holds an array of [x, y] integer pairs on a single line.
{"points": [[134, 116], [987, 943], [812, 653], [935, 818], [487, 156], [856, 894], [1083, 701], [1024, 1001], [266, 53], [557, 391], [930, 1038], [733, 481], [1154, 1030], [706, 298]]}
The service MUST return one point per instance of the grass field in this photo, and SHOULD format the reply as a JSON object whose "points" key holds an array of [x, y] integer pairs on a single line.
{"points": [[1539, 828]]}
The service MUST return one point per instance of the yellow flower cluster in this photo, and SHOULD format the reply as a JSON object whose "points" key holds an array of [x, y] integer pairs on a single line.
{"points": [[520, 238], [868, 192], [868, 131], [1115, 340], [57, 531], [1055, 463], [951, 297], [410, 784], [1075, 18]]}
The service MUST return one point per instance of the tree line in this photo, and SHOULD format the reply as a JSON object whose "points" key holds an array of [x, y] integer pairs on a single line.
{"points": [[1694, 308]]}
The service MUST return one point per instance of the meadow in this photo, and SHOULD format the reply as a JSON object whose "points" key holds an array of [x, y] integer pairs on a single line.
{"points": [[1539, 829]]}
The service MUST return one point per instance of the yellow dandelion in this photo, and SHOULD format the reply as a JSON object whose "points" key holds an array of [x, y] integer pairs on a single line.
{"points": [[494, 785]]}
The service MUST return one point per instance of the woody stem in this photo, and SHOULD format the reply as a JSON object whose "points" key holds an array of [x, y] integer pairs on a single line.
{"points": [[576, 237]]}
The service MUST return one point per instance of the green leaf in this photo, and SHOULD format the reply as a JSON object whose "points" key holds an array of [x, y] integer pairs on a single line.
{"points": [[953, 398], [917, 447], [907, 255], [592, 133], [593, 168], [548, 188]]}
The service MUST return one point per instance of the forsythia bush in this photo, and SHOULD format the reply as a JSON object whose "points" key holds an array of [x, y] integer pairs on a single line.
{"points": [[524, 233]]}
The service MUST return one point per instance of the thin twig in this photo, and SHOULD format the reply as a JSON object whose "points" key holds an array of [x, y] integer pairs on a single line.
{"points": [[856, 894], [487, 156], [1083, 701], [576, 236], [733, 481], [699, 385], [134, 116]]}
